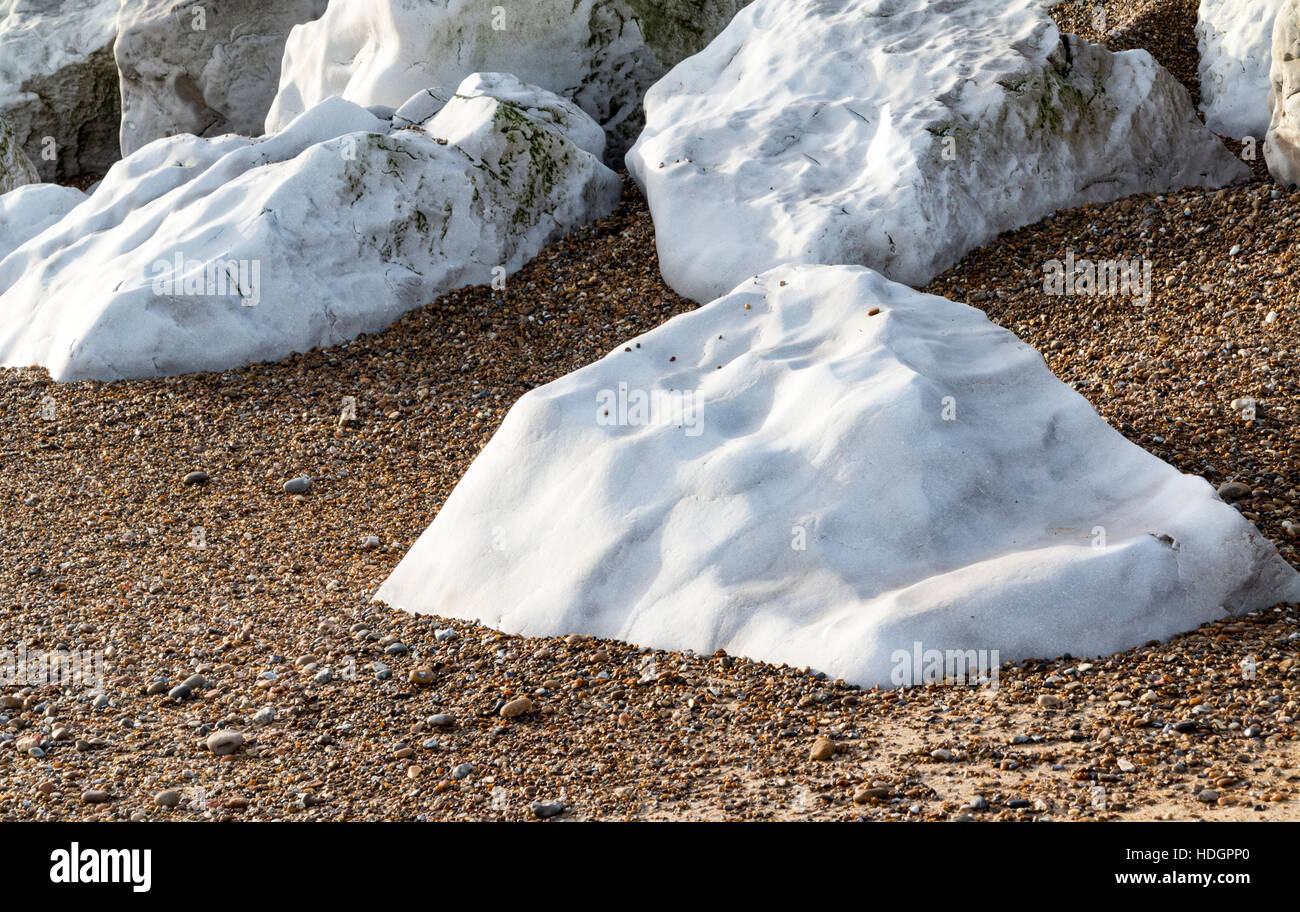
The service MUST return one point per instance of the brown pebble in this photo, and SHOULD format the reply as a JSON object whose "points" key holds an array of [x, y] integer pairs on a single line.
{"points": [[823, 749]]}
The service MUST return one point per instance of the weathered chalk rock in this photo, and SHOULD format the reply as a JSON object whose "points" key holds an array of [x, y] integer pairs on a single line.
{"points": [[1235, 39], [16, 169], [29, 210], [58, 83], [826, 468], [603, 54], [207, 69], [204, 254], [917, 131], [1282, 146]]}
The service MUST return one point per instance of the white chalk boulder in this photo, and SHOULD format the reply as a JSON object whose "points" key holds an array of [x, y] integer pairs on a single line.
{"points": [[58, 83], [1282, 145], [29, 210], [603, 54], [823, 468], [206, 69], [917, 131], [205, 254], [1235, 38]]}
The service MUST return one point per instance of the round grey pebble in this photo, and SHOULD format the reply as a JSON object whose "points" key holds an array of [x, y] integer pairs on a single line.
{"points": [[545, 809], [299, 485], [1233, 491]]}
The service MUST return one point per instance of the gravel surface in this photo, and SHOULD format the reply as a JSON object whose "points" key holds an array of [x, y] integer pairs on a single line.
{"points": [[247, 674], [1165, 28]]}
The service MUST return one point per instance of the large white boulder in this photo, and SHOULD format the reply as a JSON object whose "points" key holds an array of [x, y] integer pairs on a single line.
{"points": [[29, 210], [204, 254], [58, 83], [917, 131], [1282, 145], [207, 69], [828, 468], [16, 169], [603, 54], [1234, 38]]}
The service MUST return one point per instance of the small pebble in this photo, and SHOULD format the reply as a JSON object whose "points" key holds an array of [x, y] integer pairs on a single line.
{"points": [[225, 742], [822, 750], [516, 708], [1234, 491], [546, 809], [462, 771]]}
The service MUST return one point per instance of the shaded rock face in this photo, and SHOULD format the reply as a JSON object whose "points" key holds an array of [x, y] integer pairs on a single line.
{"points": [[205, 68], [1235, 38], [1282, 146], [205, 254], [826, 468], [603, 54], [16, 169], [917, 132], [58, 83]]}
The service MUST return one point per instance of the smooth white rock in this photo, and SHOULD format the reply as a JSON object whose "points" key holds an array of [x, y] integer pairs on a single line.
{"points": [[29, 210], [58, 83], [817, 420], [1234, 38], [207, 68], [339, 225], [757, 152], [603, 54], [1282, 144]]}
